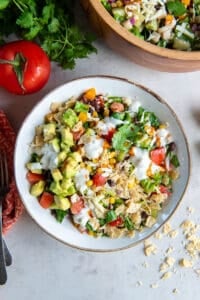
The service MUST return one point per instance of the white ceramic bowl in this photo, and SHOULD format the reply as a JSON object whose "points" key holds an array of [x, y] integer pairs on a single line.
{"points": [[66, 232]]}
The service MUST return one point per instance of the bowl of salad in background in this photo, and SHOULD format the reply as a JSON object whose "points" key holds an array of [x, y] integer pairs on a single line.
{"points": [[101, 163], [162, 35]]}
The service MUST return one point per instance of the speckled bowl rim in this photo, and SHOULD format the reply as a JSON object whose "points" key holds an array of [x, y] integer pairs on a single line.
{"points": [[158, 98]]}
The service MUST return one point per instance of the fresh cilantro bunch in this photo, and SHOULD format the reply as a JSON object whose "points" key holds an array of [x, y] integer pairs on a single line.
{"points": [[51, 23]]}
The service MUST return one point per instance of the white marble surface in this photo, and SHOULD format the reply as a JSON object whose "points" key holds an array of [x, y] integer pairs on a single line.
{"points": [[43, 268]]}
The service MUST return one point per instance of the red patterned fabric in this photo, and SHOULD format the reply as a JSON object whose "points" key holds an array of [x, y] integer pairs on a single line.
{"points": [[12, 206]]}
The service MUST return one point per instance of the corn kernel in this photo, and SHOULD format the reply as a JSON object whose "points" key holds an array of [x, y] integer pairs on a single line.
{"points": [[89, 168], [168, 19], [112, 161], [131, 184], [99, 171], [112, 200], [112, 154], [163, 126], [90, 94], [82, 164], [95, 114], [186, 2], [90, 232], [83, 116], [89, 183], [95, 160]]}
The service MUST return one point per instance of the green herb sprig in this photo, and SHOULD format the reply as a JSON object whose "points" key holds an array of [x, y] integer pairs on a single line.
{"points": [[52, 24]]}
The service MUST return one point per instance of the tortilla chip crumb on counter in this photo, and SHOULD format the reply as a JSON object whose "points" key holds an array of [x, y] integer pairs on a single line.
{"points": [[169, 250], [175, 291], [154, 285], [173, 234], [166, 228], [158, 235], [149, 248], [166, 275], [185, 263]]}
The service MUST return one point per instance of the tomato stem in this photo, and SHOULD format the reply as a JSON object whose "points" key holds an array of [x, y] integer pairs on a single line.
{"points": [[19, 64]]}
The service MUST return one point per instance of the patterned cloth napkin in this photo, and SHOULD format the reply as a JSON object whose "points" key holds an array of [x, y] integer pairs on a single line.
{"points": [[12, 206]]}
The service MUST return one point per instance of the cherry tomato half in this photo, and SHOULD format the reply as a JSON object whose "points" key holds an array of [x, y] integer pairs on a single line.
{"points": [[33, 177], [158, 155], [24, 67], [77, 206], [99, 179]]}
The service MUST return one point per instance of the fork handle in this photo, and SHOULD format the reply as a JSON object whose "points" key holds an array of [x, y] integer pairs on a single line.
{"points": [[8, 257], [3, 273]]}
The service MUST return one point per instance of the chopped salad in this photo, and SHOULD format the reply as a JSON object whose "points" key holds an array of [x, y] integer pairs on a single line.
{"points": [[103, 161], [171, 24]]}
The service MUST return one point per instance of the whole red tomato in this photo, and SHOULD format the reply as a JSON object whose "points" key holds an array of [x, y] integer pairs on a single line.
{"points": [[24, 67]]}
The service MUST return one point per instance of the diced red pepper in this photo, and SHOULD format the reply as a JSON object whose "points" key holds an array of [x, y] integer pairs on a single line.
{"points": [[117, 222]]}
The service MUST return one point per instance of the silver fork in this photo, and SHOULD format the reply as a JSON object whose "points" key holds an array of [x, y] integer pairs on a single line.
{"points": [[5, 256]]}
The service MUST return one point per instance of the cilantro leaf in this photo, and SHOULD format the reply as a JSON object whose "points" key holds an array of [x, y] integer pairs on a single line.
{"points": [[52, 24], [176, 8], [60, 214]]}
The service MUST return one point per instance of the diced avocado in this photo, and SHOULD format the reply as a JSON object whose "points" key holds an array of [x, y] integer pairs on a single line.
{"points": [[81, 107], [49, 131], [34, 167], [56, 174], [56, 188], [76, 156], [69, 168], [67, 136], [181, 44], [37, 188], [55, 144], [121, 155], [68, 187], [119, 14], [152, 25], [62, 202], [65, 148], [61, 156], [69, 117]]}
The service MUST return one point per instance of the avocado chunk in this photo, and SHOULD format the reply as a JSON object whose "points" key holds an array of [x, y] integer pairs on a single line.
{"points": [[69, 168], [49, 131], [67, 137], [61, 156], [68, 187], [55, 144], [56, 188], [56, 174], [62, 202], [76, 156], [69, 117], [34, 167], [37, 188], [63, 188]]}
